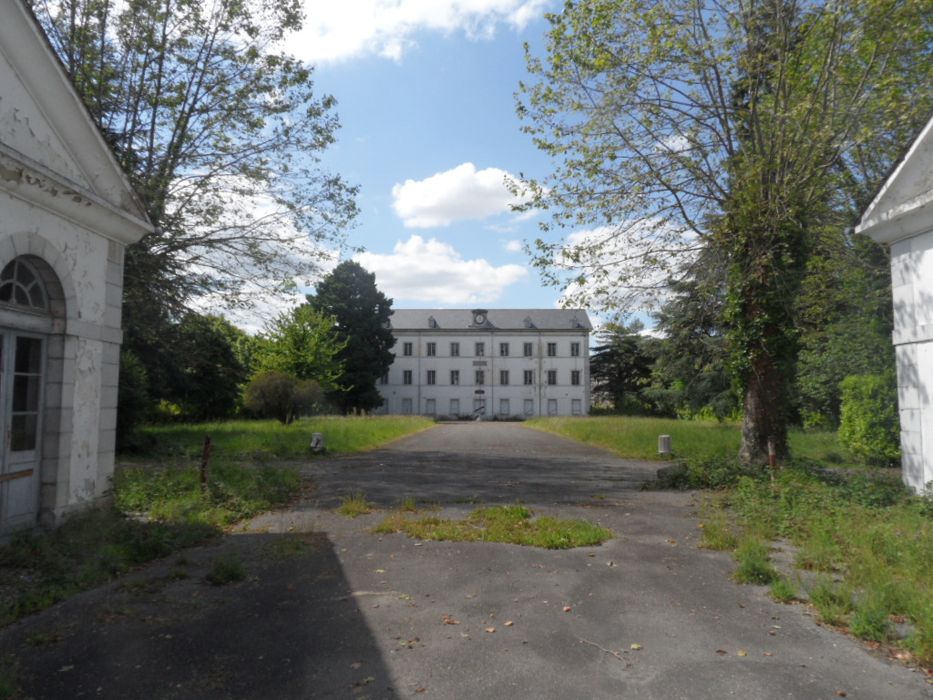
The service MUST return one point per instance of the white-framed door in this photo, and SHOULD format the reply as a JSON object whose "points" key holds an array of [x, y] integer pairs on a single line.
{"points": [[22, 386]]}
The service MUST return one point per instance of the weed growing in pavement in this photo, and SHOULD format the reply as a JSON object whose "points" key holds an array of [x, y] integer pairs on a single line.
{"points": [[754, 566], [228, 569], [511, 524], [355, 505]]}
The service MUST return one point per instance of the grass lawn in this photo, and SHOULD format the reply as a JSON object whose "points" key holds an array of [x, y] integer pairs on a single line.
{"points": [[259, 439], [637, 437]]}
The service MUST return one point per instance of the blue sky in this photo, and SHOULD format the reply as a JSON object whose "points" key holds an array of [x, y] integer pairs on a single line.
{"points": [[425, 92]]}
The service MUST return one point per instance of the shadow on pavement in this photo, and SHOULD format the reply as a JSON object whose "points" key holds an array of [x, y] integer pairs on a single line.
{"points": [[292, 629]]}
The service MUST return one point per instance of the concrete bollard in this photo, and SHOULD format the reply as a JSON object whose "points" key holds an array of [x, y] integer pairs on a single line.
{"points": [[664, 445], [317, 442]]}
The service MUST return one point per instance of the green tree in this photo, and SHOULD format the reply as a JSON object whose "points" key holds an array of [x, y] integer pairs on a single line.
{"points": [[210, 375], [620, 367], [361, 314], [690, 375], [301, 343], [680, 125], [221, 134]]}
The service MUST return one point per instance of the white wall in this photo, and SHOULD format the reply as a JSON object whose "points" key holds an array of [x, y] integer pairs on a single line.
{"points": [[395, 392]]}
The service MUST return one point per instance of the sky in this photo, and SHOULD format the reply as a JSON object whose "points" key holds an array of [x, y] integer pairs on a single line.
{"points": [[426, 100]]}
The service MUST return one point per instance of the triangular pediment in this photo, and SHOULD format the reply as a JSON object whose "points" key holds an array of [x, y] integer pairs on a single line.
{"points": [[906, 193], [43, 122]]}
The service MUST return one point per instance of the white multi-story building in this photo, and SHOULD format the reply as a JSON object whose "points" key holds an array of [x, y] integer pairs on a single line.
{"points": [[489, 363]]}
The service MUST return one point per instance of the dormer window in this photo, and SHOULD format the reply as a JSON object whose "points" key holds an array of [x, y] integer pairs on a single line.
{"points": [[432, 322], [528, 323]]}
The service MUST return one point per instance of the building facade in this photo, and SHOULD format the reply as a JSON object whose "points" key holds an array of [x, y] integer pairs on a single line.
{"points": [[67, 212], [901, 218], [497, 363]]}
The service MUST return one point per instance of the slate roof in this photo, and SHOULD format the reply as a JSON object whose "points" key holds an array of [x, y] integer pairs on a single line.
{"points": [[502, 319]]}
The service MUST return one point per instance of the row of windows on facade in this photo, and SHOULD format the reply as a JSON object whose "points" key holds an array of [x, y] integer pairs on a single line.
{"points": [[479, 349], [505, 407], [479, 377]]}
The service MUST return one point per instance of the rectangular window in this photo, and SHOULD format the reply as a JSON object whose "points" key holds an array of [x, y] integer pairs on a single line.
{"points": [[552, 407], [575, 349], [528, 349], [479, 407], [576, 407], [529, 377], [407, 349], [454, 377], [529, 407], [504, 377], [455, 407], [503, 407], [432, 377], [406, 376], [384, 379], [552, 349], [430, 407], [431, 350], [575, 377], [503, 349], [455, 349], [552, 376], [406, 406], [480, 377], [480, 349]]}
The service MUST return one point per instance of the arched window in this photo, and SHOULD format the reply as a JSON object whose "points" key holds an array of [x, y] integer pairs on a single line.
{"points": [[21, 285]]}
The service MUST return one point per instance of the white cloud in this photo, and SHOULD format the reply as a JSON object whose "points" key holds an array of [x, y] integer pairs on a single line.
{"points": [[434, 272], [460, 194], [513, 246], [339, 31]]}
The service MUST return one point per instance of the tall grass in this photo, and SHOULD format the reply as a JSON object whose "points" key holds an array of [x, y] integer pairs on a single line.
{"points": [[269, 438], [637, 437], [869, 532]]}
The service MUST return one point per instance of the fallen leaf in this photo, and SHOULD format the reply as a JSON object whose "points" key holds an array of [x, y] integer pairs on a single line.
{"points": [[355, 665], [635, 647], [420, 689], [672, 542], [567, 608], [69, 667], [841, 693], [491, 630], [508, 623], [767, 653], [772, 633], [721, 652], [741, 652], [448, 620], [380, 571]]}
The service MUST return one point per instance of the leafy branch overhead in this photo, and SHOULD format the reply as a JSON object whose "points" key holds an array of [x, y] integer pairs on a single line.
{"points": [[220, 132]]}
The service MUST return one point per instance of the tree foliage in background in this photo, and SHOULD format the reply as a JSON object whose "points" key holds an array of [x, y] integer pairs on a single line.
{"points": [[302, 344], [748, 127], [690, 376], [869, 425], [211, 376], [361, 313], [620, 368], [281, 396], [221, 134]]}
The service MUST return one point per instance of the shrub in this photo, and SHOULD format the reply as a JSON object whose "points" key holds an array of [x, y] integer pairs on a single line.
{"points": [[281, 396], [869, 425]]}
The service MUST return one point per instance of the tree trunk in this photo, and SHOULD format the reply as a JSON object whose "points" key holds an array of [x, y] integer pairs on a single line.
{"points": [[764, 419]]}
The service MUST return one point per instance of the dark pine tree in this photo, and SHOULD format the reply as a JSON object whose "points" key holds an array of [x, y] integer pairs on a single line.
{"points": [[361, 311]]}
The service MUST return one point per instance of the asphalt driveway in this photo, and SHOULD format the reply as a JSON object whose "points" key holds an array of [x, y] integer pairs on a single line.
{"points": [[330, 610]]}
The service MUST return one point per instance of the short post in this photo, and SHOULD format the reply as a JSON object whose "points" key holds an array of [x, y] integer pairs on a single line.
{"points": [[205, 463], [317, 442], [772, 457], [664, 445]]}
